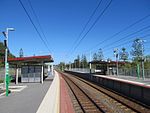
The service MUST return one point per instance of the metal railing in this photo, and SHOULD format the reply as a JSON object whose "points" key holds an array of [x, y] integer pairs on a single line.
{"points": [[133, 73], [121, 72], [11, 72]]}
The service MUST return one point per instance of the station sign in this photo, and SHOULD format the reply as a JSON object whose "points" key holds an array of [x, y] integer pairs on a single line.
{"points": [[7, 68]]}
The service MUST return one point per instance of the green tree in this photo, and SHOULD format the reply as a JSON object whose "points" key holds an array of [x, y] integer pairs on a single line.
{"points": [[147, 58], [75, 63], [138, 48], [147, 62], [84, 63], [78, 62], [100, 55], [2, 50], [2, 54], [21, 53], [61, 66], [124, 55], [109, 59], [95, 57], [10, 55]]}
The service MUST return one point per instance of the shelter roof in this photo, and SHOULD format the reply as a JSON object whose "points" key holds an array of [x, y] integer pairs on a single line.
{"points": [[105, 62], [31, 59]]}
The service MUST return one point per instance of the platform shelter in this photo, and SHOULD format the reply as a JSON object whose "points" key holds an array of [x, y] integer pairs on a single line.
{"points": [[106, 67], [32, 68]]}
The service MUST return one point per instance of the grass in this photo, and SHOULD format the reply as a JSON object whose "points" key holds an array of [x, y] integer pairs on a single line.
{"points": [[1, 80]]}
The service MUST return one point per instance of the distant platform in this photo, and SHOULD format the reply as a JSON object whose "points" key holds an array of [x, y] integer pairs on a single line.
{"points": [[129, 79]]}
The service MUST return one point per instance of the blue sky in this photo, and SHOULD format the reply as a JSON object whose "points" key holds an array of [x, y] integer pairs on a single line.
{"points": [[62, 22]]}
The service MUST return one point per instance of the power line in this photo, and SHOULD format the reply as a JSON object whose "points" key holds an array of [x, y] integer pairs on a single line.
{"points": [[113, 43], [129, 41], [37, 20], [122, 30], [34, 25], [87, 52], [90, 18], [133, 24], [92, 25], [125, 43], [126, 36]]}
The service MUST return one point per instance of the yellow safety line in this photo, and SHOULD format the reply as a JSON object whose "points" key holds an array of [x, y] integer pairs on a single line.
{"points": [[58, 95]]}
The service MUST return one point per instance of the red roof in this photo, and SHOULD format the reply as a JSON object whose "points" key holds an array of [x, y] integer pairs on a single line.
{"points": [[46, 58], [30, 58]]}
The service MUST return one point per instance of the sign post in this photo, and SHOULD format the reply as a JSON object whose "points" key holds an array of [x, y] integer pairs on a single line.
{"points": [[7, 80]]}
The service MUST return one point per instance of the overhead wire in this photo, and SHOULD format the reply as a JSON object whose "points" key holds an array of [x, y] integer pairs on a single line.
{"points": [[122, 30], [112, 43], [115, 42], [125, 43], [36, 29], [97, 19], [85, 26], [42, 31], [123, 38]]}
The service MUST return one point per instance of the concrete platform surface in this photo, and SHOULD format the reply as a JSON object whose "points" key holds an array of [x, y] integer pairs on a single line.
{"points": [[25, 101], [145, 81], [129, 79], [51, 101]]}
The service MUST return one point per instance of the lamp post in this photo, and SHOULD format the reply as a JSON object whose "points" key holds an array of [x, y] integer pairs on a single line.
{"points": [[90, 64], [116, 55], [108, 61], [6, 49], [142, 58]]}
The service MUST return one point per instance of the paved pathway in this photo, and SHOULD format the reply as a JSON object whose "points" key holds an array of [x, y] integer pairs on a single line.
{"points": [[26, 101]]}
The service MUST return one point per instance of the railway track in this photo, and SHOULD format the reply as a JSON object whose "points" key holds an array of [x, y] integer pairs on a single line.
{"points": [[90, 98]]}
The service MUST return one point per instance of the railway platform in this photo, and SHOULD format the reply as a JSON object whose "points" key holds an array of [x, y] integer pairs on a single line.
{"points": [[132, 79], [129, 79], [24, 97], [132, 87], [57, 99]]}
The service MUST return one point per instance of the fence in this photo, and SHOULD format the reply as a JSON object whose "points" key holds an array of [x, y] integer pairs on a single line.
{"points": [[11, 72], [122, 72], [133, 72], [83, 70]]}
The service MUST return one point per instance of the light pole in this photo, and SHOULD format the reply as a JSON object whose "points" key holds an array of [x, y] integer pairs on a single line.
{"points": [[108, 61], [143, 71], [116, 55], [6, 49], [90, 64]]}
